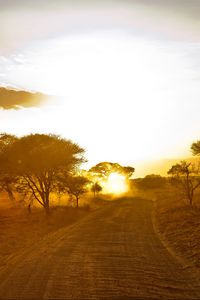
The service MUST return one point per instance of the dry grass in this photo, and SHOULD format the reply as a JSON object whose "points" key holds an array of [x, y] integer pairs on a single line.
{"points": [[179, 224], [20, 229]]}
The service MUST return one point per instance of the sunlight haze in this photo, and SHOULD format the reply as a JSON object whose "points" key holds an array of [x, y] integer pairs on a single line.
{"points": [[124, 78]]}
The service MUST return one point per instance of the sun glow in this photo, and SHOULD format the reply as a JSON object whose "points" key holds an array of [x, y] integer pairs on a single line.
{"points": [[116, 184], [120, 89]]}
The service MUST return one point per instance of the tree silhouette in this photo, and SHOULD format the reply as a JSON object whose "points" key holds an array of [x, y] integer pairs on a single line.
{"points": [[96, 188], [77, 186], [196, 148], [186, 175], [104, 169]]}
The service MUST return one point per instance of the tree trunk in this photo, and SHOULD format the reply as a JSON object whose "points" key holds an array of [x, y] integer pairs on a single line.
{"points": [[47, 210], [29, 208], [46, 201], [77, 198], [191, 198], [10, 193], [46, 206]]}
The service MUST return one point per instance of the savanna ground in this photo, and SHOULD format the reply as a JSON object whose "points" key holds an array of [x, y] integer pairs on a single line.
{"points": [[19, 229], [179, 224], [176, 222], [124, 232]]}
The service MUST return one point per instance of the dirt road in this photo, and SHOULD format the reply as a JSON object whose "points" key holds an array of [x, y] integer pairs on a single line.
{"points": [[112, 254]]}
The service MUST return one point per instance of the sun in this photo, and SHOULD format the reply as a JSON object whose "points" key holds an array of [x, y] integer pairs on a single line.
{"points": [[116, 184]]}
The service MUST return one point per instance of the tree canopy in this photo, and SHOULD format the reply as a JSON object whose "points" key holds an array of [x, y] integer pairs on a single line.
{"points": [[104, 169], [196, 148]]}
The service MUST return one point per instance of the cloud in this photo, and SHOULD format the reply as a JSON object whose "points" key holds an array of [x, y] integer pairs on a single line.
{"points": [[171, 19], [14, 99]]}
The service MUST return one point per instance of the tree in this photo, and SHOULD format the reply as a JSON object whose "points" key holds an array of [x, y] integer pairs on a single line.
{"points": [[96, 188], [37, 159], [186, 175], [77, 186], [7, 184], [7, 178], [6, 140], [196, 148], [104, 169]]}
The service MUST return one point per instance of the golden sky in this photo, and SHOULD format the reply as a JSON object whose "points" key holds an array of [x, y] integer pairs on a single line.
{"points": [[123, 76]]}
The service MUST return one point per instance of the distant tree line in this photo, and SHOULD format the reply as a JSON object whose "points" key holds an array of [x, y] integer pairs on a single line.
{"points": [[150, 182]]}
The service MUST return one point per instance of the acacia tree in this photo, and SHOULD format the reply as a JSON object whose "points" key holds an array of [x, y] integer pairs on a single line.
{"points": [[37, 159], [186, 175], [96, 188], [104, 169], [75, 186]]}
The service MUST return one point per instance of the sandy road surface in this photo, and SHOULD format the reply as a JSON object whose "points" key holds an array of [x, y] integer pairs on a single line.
{"points": [[112, 254]]}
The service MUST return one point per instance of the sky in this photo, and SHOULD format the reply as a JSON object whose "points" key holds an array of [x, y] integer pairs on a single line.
{"points": [[121, 78]]}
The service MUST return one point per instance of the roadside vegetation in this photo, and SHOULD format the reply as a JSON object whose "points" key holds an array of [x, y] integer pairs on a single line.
{"points": [[176, 206], [179, 224], [19, 229]]}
